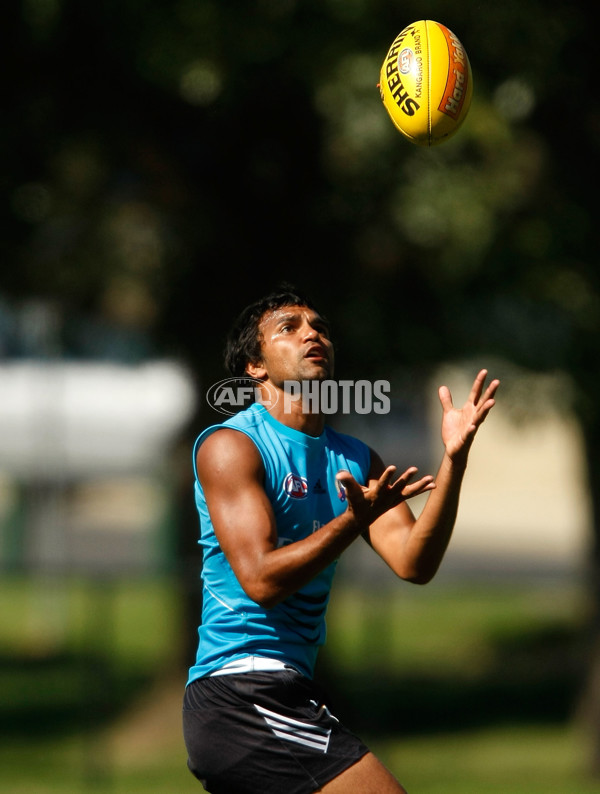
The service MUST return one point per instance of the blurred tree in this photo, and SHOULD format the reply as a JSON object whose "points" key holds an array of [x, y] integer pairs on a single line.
{"points": [[164, 163]]}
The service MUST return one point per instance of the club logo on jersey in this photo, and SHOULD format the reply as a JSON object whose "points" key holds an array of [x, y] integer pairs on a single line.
{"points": [[341, 490], [295, 486]]}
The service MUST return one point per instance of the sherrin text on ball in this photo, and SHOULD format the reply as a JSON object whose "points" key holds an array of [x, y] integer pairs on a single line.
{"points": [[426, 83]]}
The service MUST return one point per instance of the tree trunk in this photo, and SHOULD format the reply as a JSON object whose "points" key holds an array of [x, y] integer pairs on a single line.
{"points": [[589, 706]]}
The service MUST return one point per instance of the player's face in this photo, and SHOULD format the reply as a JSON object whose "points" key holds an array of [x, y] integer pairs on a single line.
{"points": [[295, 345]]}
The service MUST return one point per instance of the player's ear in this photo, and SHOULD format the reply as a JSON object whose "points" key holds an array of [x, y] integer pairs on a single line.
{"points": [[256, 370]]}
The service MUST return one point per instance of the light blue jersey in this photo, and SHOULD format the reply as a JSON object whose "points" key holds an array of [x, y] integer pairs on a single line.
{"points": [[300, 483]]}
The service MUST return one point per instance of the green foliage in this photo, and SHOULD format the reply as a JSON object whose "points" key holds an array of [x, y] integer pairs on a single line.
{"points": [[163, 153]]}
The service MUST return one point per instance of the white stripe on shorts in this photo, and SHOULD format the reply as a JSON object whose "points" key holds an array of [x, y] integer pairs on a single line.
{"points": [[295, 731]]}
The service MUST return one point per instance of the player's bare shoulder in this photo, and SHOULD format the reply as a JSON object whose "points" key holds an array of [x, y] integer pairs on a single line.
{"points": [[228, 453]]}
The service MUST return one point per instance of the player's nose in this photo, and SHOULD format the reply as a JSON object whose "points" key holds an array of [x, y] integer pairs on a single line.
{"points": [[309, 332]]}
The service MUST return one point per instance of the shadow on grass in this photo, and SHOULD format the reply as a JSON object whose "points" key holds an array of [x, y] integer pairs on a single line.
{"points": [[61, 694], [528, 678]]}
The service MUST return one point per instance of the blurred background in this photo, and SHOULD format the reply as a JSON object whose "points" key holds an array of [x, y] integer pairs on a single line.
{"points": [[163, 165]]}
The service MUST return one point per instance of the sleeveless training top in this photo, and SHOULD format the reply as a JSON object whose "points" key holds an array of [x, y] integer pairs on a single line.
{"points": [[300, 483]]}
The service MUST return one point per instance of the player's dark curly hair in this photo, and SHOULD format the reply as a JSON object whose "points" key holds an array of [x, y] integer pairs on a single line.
{"points": [[244, 339]]}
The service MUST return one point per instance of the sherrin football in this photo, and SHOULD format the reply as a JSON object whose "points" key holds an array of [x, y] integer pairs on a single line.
{"points": [[426, 83]]}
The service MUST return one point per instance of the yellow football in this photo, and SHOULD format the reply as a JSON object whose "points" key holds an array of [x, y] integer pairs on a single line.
{"points": [[426, 83]]}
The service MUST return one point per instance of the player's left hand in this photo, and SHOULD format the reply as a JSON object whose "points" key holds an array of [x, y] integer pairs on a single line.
{"points": [[459, 425]]}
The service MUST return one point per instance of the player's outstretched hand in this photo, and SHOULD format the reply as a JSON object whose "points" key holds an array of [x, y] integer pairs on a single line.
{"points": [[368, 503], [459, 425]]}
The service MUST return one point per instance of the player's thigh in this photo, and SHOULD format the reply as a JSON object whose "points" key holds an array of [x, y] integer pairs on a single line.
{"points": [[367, 776]]}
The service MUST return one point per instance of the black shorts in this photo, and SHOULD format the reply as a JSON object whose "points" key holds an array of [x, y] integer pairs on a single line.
{"points": [[264, 733]]}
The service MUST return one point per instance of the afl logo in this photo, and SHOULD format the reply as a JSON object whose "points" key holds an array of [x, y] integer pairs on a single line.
{"points": [[234, 394], [295, 486], [405, 60]]}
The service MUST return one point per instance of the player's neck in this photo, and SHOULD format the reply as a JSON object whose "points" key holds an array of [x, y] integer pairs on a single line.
{"points": [[293, 416]]}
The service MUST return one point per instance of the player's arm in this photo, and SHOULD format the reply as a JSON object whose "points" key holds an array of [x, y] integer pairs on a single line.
{"points": [[231, 472], [414, 548]]}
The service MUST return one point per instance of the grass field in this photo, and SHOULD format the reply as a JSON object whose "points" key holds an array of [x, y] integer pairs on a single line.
{"points": [[458, 688]]}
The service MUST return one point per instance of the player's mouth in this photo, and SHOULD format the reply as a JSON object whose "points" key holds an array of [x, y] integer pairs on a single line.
{"points": [[316, 353]]}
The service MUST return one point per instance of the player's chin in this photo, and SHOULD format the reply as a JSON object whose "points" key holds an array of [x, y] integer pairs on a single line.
{"points": [[319, 370]]}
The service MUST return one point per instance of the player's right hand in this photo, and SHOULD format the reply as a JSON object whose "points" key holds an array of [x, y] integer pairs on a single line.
{"points": [[369, 502]]}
